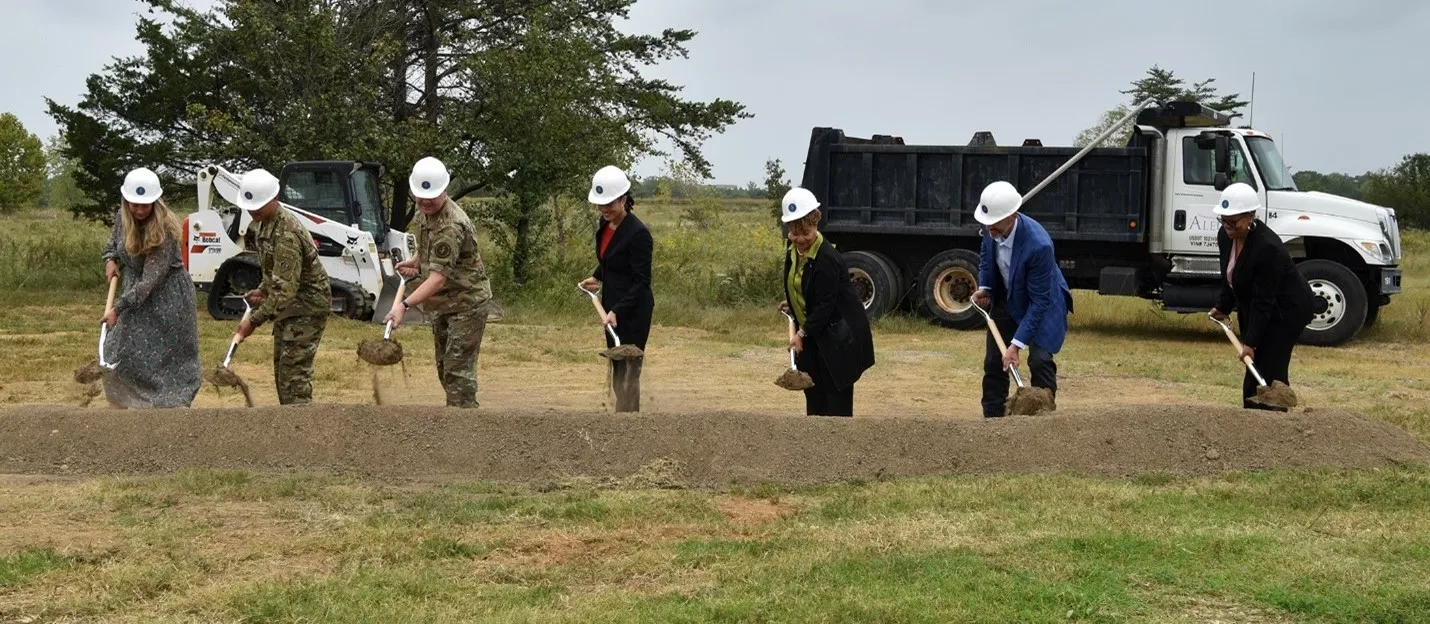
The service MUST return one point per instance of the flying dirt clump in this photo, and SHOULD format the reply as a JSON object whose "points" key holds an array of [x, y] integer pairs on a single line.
{"points": [[89, 373], [385, 352], [1031, 400], [223, 377]]}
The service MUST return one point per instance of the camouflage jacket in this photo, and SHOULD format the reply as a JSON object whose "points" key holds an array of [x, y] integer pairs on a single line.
{"points": [[447, 244], [294, 282]]}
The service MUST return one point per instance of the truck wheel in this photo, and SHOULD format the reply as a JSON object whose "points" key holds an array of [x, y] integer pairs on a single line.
{"points": [[233, 279], [348, 301], [1345, 304], [1372, 314], [875, 282], [946, 286]]}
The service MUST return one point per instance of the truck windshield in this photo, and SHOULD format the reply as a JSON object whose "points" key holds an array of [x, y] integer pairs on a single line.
{"points": [[1268, 160]]}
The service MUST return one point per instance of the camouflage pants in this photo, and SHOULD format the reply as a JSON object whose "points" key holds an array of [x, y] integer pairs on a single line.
{"points": [[458, 338], [295, 344]]}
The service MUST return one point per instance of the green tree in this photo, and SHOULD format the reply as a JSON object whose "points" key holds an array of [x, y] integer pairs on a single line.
{"points": [[776, 185], [61, 192], [1161, 85], [1406, 188], [22, 165], [1164, 86], [1353, 187], [260, 83]]}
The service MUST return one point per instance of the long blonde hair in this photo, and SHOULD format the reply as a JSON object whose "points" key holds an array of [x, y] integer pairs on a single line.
{"points": [[141, 239]]}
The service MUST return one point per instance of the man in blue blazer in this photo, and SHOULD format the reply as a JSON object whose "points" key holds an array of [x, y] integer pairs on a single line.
{"points": [[1018, 275]]}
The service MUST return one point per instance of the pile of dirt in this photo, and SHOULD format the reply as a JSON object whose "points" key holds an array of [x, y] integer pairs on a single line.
{"points": [[1031, 401], [709, 449], [384, 352]]}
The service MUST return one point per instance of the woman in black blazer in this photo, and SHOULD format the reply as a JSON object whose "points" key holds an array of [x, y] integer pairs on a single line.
{"points": [[833, 344], [1260, 282], [623, 268]]}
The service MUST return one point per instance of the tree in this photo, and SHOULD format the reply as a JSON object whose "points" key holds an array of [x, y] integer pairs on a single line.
{"points": [[60, 192], [1162, 86], [776, 185], [1353, 187], [260, 83], [22, 165], [1118, 139], [1406, 188]]}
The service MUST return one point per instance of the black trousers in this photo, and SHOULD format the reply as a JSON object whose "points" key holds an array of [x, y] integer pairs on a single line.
{"points": [[995, 379], [1273, 361], [624, 378], [823, 399]]}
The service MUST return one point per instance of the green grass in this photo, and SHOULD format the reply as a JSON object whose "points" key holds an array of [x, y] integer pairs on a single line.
{"points": [[1326, 546]]}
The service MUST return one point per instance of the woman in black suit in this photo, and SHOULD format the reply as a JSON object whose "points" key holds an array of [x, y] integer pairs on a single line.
{"points": [[1260, 281], [833, 344], [623, 268]]}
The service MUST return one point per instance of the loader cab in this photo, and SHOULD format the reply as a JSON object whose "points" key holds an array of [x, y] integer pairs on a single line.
{"points": [[343, 191]]}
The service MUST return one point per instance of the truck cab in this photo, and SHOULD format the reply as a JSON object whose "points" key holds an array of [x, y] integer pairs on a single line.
{"points": [[1348, 250]]}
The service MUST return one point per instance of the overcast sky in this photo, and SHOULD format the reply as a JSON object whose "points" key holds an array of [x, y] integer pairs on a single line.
{"points": [[1343, 85]]}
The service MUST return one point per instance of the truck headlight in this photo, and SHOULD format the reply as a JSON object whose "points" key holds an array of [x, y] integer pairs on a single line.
{"points": [[1378, 249]]}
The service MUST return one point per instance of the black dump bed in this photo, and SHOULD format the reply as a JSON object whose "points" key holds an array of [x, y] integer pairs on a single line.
{"points": [[882, 186]]}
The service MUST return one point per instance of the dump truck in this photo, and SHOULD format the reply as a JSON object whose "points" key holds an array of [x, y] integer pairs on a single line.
{"points": [[1133, 221]]}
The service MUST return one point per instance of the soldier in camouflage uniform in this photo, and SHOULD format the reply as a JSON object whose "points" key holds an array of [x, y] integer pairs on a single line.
{"points": [[453, 288], [294, 294]]}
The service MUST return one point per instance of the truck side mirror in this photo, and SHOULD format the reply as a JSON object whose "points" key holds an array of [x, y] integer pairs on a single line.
{"points": [[1220, 182], [1222, 151]]}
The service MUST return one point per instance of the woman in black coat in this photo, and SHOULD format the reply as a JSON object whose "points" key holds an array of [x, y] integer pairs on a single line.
{"points": [[833, 343], [1260, 282], [623, 268]]}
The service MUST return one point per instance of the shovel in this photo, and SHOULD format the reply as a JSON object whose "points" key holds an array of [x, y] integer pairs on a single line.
{"points": [[793, 379], [387, 351], [1027, 400], [620, 351], [225, 377], [94, 371], [1277, 395]]}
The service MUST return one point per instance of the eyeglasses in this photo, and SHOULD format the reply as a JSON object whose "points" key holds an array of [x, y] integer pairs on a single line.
{"points": [[1231, 221]]}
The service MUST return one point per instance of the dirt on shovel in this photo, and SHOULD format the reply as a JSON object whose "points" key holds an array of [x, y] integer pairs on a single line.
{"points": [[623, 352], [1278, 395], [794, 380], [385, 352], [1030, 401], [223, 377]]}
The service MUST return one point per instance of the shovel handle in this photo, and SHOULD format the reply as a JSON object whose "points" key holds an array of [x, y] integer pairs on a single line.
{"points": [[113, 289], [1237, 344], [998, 340], [600, 312]]}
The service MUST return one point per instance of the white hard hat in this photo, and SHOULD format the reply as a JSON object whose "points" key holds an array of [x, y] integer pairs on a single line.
{"points": [[608, 184], [1237, 199], [429, 178], [257, 188], [998, 202], [797, 204], [141, 186]]}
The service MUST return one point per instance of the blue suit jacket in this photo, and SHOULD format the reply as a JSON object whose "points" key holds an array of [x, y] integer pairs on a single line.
{"points": [[1039, 299]]}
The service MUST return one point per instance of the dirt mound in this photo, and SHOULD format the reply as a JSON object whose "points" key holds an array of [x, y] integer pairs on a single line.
{"points": [[710, 449], [1278, 394], [1030, 401]]}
